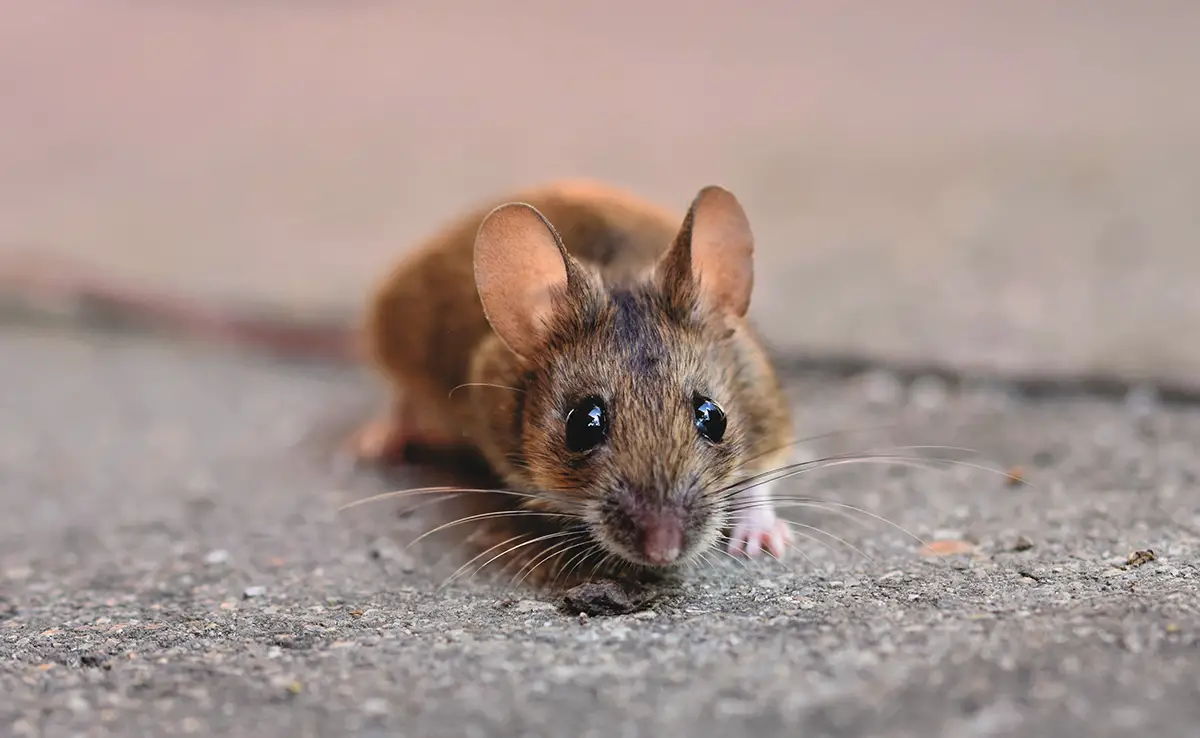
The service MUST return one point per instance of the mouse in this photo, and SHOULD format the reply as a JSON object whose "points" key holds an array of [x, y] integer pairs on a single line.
{"points": [[592, 346], [595, 348]]}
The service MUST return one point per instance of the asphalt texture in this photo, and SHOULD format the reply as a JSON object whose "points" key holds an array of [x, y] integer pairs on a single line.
{"points": [[173, 561]]}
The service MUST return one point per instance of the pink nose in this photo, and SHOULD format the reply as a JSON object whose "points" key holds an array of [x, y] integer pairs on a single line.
{"points": [[662, 542]]}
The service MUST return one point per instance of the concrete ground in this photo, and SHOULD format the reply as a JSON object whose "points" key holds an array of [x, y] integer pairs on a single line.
{"points": [[173, 562], [1004, 188]]}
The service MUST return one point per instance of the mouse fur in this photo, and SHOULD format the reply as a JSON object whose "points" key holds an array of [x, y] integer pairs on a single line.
{"points": [[578, 289]]}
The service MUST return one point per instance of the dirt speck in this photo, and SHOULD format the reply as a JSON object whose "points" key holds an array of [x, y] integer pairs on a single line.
{"points": [[1023, 543], [948, 548]]}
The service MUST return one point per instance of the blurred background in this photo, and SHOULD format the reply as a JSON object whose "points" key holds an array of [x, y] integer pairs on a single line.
{"points": [[1005, 186]]}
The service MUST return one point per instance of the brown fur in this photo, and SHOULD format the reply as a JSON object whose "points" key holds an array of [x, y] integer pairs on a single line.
{"points": [[640, 306]]}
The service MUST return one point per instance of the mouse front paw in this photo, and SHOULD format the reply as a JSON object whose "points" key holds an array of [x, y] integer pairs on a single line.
{"points": [[760, 529]]}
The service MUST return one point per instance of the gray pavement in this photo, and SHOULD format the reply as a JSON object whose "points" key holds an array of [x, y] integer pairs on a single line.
{"points": [[172, 562]]}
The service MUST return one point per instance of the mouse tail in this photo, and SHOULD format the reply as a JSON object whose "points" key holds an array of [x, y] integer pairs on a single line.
{"points": [[37, 289]]}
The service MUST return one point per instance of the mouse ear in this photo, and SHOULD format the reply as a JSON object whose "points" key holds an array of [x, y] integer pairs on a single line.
{"points": [[713, 255], [520, 264]]}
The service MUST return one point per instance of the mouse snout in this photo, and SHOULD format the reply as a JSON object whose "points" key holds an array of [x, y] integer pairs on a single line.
{"points": [[647, 529], [662, 539]]}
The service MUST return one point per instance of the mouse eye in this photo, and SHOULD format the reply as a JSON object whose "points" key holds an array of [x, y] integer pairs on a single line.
{"points": [[587, 425], [710, 419]]}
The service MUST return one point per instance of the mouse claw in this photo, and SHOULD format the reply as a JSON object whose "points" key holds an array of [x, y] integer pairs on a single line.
{"points": [[761, 530]]}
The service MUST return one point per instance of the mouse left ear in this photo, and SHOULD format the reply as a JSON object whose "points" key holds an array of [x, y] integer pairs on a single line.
{"points": [[712, 257], [521, 268]]}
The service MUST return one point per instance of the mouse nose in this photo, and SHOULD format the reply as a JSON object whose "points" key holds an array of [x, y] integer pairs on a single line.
{"points": [[662, 540]]}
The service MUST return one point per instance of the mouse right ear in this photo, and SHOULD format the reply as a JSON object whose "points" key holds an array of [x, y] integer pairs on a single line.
{"points": [[712, 257], [520, 265]]}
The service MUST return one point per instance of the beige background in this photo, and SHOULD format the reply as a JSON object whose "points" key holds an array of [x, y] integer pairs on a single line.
{"points": [[1005, 185]]}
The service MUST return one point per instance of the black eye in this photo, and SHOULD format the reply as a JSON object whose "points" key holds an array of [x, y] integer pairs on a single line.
{"points": [[587, 425], [710, 419]]}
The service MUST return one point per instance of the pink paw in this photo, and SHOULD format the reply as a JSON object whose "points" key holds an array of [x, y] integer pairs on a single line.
{"points": [[757, 530]]}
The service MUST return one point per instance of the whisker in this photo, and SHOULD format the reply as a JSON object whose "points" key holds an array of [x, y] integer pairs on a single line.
{"points": [[840, 540], [435, 490], [429, 503], [809, 439], [578, 559], [482, 384], [786, 502], [719, 547], [488, 516], [558, 550], [480, 555], [539, 539], [875, 453], [796, 548], [746, 561], [505, 552], [789, 470], [604, 561], [402, 493], [547, 554]]}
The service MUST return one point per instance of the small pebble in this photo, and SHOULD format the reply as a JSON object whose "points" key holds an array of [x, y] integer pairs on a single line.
{"points": [[606, 597], [1138, 558], [375, 706], [1022, 544], [217, 556], [532, 606], [257, 591]]}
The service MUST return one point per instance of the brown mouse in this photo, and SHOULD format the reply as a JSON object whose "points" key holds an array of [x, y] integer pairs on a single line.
{"points": [[595, 349], [591, 346]]}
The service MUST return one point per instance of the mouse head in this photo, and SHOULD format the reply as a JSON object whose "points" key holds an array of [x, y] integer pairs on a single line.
{"points": [[639, 401]]}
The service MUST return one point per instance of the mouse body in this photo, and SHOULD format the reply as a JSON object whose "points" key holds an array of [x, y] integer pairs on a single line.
{"points": [[594, 348]]}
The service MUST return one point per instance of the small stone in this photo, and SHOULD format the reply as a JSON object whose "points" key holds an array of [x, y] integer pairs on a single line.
{"points": [[375, 706], [532, 606], [1015, 477], [216, 556], [256, 591], [605, 597], [1022, 544], [92, 660], [1138, 558], [951, 547]]}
